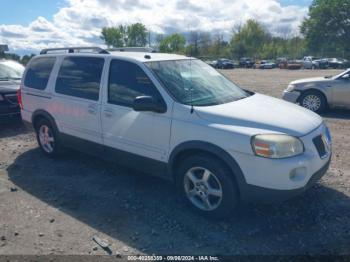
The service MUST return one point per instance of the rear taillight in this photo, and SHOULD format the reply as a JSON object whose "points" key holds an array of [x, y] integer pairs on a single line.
{"points": [[19, 97]]}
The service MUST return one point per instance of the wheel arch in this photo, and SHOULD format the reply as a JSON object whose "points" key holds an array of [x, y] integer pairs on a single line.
{"points": [[42, 114], [195, 147]]}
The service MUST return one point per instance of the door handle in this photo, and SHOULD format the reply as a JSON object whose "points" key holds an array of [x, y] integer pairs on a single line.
{"points": [[108, 113], [92, 109]]}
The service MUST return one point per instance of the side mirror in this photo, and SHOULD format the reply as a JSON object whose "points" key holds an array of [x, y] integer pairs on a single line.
{"points": [[148, 104]]}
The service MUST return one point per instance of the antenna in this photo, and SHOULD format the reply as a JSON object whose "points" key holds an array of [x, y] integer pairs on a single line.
{"points": [[192, 107], [191, 91], [149, 38]]}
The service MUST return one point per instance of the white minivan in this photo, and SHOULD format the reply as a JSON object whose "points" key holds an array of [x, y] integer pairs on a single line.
{"points": [[178, 118]]}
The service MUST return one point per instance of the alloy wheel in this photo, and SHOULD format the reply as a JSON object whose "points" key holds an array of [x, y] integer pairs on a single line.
{"points": [[312, 102], [46, 139], [203, 188]]}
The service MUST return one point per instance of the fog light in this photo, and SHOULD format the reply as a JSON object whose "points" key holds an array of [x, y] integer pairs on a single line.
{"points": [[298, 174]]}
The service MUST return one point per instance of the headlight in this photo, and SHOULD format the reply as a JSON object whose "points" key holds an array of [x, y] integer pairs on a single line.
{"points": [[277, 146], [290, 88]]}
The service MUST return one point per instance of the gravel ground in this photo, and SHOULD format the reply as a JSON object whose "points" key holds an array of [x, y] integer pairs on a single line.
{"points": [[56, 206]]}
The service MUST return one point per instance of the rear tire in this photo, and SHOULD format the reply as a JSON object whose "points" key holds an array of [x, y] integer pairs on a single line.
{"points": [[208, 186], [47, 138], [314, 101]]}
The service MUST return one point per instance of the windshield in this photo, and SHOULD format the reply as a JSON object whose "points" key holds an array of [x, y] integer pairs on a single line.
{"points": [[10, 70], [193, 82]]}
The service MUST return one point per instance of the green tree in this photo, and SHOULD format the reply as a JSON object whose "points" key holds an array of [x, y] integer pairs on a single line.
{"points": [[193, 48], [174, 43], [249, 39], [159, 39], [218, 47], [10, 56], [26, 58], [137, 35], [296, 47], [114, 36], [327, 29], [204, 46], [205, 42]]}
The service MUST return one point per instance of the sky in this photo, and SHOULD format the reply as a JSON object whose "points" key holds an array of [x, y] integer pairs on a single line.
{"points": [[30, 25]]}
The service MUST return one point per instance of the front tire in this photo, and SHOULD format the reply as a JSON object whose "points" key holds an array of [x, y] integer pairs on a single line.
{"points": [[47, 138], [314, 101], [208, 186]]}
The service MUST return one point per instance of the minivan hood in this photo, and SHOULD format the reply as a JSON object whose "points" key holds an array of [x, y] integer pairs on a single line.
{"points": [[9, 86], [263, 113], [311, 80]]}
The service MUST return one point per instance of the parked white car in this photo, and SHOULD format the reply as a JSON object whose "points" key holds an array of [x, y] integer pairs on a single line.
{"points": [[178, 118], [309, 62], [319, 93]]}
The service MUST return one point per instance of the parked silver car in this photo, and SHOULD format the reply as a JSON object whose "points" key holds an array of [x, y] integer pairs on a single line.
{"points": [[317, 94]]}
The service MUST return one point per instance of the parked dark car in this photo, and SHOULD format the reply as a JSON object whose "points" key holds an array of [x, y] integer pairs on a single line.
{"points": [[224, 63], [322, 63], [10, 80], [212, 63], [338, 63], [246, 62]]}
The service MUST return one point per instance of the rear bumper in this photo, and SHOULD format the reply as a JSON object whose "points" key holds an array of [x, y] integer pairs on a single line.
{"points": [[251, 193], [9, 112], [8, 108]]}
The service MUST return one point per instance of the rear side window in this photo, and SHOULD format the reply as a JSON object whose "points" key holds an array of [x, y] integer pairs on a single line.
{"points": [[38, 72], [80, 77], [128, 81]]}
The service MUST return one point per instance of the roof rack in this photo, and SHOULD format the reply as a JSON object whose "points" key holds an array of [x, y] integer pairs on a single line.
{"points": [[134, 49], [94, 49]]}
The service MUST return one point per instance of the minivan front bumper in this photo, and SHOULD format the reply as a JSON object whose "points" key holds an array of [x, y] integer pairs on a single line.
{"points": [[280, 179], [256, 194]]}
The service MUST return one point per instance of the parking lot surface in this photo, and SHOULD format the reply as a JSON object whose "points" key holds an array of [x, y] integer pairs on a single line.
{"points": [[57, 206]]}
